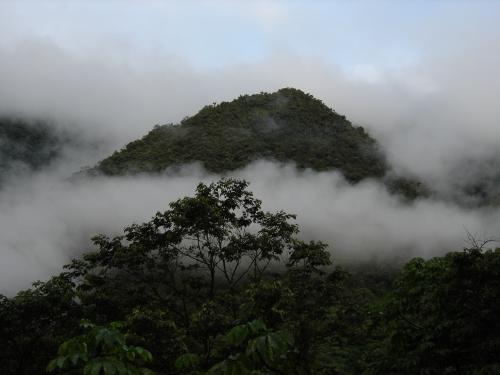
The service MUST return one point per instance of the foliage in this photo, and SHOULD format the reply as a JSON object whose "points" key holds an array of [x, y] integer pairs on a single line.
{"points": [[33, 323], [445, 314], [247, 349], [100, 351]]}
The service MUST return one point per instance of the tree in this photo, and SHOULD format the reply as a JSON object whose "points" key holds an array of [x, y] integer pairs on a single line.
{"points": [[220, 235], [305, 275], [212, 230]]}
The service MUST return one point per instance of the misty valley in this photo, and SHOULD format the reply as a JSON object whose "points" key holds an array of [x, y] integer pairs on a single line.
{"points": [[262, 235]]}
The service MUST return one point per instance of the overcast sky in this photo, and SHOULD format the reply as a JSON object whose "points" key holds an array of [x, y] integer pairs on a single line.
{"points": [[214, 34]]}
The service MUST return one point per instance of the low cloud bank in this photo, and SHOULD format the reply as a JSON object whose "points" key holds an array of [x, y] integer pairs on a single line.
{"points": [[45, 219]]}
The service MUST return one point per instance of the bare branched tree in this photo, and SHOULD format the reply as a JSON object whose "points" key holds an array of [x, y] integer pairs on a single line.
{"points": [[477, 242]]}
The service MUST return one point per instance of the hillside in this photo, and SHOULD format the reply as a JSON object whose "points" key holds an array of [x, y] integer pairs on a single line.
{"points": [[288, 125]]}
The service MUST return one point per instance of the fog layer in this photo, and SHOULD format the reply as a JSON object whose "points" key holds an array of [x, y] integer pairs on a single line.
{"points": [[45, 219]]}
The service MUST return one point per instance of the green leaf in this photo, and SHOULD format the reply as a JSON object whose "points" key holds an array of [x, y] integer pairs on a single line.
{"points": [[86, 324], [92, 368], [52, 365], [60, 361], [257, 326], [236, 368], [146, 371], [74, 358], [144, 354], [187, 361], [238, 335], [131, 355], [109, 368]]}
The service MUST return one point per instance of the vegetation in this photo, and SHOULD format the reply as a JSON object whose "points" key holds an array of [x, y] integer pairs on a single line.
{"points": [[215, 285], [288, 125]]}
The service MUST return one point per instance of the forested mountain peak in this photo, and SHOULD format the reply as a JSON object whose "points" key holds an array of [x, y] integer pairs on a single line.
{"points": [[288, 125]]}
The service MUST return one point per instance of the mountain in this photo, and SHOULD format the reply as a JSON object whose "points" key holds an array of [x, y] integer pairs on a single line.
{"points": [[287, 126]]}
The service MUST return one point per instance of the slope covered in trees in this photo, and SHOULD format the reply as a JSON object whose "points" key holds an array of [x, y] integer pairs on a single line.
{"points": [[288, 125], [215, 285]]}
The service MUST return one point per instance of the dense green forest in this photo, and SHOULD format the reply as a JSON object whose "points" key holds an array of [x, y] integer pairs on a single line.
{"points": [[216, 285]]}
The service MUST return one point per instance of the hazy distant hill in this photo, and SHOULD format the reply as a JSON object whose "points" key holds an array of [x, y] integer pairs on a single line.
{"points": [[27, 145], [288, 125], [475, 182]]}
